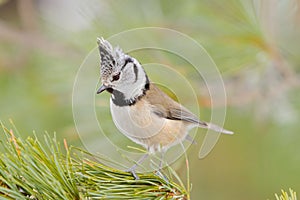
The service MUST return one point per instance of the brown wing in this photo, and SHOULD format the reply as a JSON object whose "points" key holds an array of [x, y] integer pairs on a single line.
{"points": [[166, 107]]}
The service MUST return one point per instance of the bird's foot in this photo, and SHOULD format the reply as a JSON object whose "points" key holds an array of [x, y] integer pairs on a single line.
{"points": [[132, 171], [161, 175]]}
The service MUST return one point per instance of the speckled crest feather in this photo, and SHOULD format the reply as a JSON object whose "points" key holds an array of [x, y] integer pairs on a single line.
{"points": [[111, 58]]}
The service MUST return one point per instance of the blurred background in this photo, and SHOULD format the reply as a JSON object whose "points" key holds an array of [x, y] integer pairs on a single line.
{"points": [[255, 44]]}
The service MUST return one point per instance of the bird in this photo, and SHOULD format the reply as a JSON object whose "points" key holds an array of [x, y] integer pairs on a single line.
{"points": [[139, 109]]}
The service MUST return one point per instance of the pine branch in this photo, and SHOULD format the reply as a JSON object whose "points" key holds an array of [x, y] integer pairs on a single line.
{"points": [[30, 170]]}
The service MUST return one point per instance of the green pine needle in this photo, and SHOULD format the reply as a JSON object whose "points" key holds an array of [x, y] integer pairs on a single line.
{"points": [[285, 196], [30, 170]]}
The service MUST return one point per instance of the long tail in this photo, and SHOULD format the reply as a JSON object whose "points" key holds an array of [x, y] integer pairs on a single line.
{"points": [[215, 128]]}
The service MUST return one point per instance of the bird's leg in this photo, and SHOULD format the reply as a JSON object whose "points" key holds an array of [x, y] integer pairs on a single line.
{"points": [[132, 169], [161, 162]]}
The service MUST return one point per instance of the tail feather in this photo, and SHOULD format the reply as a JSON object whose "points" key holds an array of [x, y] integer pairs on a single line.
{"points": [[215, 128]]}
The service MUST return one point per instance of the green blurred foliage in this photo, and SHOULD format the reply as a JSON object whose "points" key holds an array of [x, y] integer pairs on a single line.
{"points": [[254, 43]]}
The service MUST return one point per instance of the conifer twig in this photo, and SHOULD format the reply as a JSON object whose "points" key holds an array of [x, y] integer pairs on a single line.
{"points": [[30, 170]]}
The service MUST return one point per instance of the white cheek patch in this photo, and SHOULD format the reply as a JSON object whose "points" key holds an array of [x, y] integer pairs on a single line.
{"points": [[133, 90]]}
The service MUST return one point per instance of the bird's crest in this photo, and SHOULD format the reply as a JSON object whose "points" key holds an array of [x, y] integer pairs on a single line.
{"points": [[111, 58]]}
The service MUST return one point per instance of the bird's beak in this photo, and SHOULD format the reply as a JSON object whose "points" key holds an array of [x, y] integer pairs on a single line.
{"points": [[101, 89]]}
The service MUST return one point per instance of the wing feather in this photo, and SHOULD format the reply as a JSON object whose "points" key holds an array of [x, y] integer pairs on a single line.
{"points": [[166, 107]]}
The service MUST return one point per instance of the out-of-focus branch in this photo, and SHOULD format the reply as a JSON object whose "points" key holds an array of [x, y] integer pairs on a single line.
{"points": [[27, 14], [34, 41], [29, 37], [251, 85]]}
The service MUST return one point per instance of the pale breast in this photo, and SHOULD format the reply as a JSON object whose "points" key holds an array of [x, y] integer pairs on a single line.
{"points": [[136, 121], [140, 124]]}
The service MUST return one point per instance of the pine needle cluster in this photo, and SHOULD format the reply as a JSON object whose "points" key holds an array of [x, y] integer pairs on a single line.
{"points": [[32, 170]]}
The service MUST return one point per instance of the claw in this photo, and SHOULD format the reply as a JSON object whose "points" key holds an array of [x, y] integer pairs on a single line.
{"points": [[162, 176], [136, 177], [132, 171]]}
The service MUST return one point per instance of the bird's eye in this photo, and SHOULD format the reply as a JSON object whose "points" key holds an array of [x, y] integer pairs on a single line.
{"points": [[116, 77]]}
